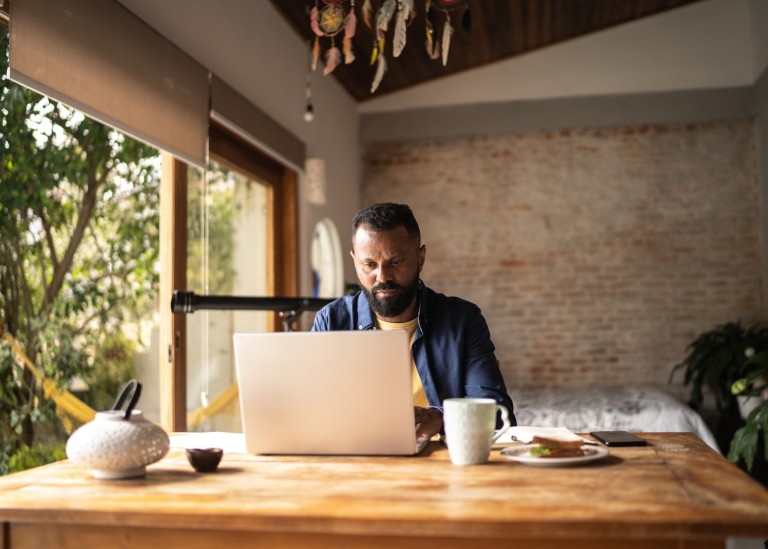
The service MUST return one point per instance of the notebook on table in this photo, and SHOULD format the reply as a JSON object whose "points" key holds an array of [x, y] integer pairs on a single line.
{"points": [[341, 393]]}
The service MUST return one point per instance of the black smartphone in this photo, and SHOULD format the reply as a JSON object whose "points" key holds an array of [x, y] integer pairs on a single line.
{"points": [[618, 438]]}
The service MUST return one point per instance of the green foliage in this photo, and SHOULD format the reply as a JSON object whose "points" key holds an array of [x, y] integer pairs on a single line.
{"points": [[27, 457], [728, 361], [216, 223], [744, 446], [112, 368], [717, 359], [79, 222]]}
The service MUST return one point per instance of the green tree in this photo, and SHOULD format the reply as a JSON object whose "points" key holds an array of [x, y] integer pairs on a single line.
{"points": [[78, 250], [211, 221]]}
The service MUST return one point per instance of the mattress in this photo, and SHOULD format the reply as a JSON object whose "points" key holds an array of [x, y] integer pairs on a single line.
{"points": [[625, 408]]}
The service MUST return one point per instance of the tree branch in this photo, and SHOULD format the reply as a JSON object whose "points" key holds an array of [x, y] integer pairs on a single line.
{"points": [[86, 213], [48, 237]]}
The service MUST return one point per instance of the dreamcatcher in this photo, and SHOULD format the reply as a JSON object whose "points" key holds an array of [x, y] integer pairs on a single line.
{"points": [[439, 48], [329, 21], [402, 12]]}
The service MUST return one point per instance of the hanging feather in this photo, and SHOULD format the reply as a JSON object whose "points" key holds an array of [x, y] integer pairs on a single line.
{"points": [[403, 14], [430, 28], [349, 55], [315, 52], [374, 51], [466, 20], [332, 60], [350, 25], [314, 22], [446, 42], [378, 48], [386, 11], [367, 13], [411, 12], [381, 68], [349, 31]]}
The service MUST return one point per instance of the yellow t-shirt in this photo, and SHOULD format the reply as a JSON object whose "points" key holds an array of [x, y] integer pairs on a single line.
{"points": [[419, 396]]}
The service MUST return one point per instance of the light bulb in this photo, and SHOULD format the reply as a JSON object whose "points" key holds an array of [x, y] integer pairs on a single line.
{"points": [[309, 114]]}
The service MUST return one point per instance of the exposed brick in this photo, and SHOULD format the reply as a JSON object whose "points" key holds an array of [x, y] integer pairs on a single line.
{"points": [[597, 255]]}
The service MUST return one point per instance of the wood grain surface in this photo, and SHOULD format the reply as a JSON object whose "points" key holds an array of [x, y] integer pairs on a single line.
{"points": [[675, 492]]}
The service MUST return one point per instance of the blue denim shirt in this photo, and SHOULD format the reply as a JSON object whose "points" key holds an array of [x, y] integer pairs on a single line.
{"points": [[452, 349]]}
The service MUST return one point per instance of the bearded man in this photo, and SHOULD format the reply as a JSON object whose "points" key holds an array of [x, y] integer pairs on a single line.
{"points": [[451, 348]]}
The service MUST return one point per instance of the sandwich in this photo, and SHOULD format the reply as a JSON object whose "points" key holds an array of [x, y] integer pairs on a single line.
{"points": [[557, 446]]}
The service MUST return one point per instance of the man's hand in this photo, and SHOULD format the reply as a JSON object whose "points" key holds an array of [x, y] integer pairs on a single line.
{"points": [[429, 421]]}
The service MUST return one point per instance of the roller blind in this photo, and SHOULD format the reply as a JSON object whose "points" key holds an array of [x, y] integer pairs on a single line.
{"points": [[238, 114], [98, 57]]}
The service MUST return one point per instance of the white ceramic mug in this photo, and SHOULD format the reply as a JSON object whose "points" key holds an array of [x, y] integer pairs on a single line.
{"points": [[469, 428]]}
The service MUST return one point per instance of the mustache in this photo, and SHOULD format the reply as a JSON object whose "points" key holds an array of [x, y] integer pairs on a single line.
{"points": [[386, 286]]}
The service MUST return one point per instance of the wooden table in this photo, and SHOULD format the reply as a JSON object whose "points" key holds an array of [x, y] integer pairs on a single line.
{"points": [[676, 492]]}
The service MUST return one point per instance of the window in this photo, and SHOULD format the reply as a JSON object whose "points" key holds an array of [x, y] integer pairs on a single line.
{"points": [[240, 240]]}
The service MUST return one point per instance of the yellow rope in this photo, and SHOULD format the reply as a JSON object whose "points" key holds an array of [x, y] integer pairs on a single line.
{"points": [[65, 401], [69, 403], [227, 395]]}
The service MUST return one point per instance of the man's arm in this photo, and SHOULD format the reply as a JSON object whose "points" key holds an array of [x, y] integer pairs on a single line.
{"points": [[483, 374]]}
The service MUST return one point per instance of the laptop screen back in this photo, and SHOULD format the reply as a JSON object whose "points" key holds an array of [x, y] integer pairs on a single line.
{"points": [[326, 392]]}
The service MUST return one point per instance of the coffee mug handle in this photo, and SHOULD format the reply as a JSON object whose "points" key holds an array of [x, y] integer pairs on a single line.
{"points": [[505, 419]]}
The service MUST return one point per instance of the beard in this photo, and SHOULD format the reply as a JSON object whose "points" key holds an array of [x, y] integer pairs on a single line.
{"points": [[388, 307]]}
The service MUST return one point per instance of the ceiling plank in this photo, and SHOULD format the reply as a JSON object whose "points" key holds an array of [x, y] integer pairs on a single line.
{"points": [[500, 30]]}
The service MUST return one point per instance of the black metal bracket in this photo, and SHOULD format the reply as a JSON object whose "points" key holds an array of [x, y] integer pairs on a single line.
{"points": [[288, 308]]}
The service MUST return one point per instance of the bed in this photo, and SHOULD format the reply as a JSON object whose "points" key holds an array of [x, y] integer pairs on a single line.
{"points": [[626, 408]]}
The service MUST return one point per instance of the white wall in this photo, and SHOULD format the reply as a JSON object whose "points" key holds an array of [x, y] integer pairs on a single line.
{"points": [[254, 49]]}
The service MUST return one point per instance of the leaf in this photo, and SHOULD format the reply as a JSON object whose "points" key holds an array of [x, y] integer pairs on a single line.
{"points": [[744, 445]]}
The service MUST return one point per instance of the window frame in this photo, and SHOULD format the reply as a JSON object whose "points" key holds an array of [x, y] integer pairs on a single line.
{"points": [[231, 150]]}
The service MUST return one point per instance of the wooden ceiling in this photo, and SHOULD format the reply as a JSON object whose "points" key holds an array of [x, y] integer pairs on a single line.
{"points": [[499, 29]]}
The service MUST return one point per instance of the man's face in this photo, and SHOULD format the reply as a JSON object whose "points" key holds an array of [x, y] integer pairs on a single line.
{"points": [[388, 264]]}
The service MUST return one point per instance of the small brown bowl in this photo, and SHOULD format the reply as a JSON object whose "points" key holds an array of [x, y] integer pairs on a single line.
{"points": [[204, 460]]}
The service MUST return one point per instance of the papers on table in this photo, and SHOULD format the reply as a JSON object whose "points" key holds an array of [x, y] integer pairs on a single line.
{"points": [[525, 434]]}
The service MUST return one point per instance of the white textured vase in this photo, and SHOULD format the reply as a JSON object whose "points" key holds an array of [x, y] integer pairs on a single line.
{"points": [[115, 448]]}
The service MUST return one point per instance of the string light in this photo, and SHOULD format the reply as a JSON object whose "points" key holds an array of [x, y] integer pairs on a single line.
{"points": [[309, 112]]}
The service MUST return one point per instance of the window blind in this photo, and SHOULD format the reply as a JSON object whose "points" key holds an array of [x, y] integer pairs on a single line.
{"points": [[98, 57], [239, 115]]}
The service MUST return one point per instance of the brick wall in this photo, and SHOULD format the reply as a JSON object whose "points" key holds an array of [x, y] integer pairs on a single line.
{"points": [[595, 255]]}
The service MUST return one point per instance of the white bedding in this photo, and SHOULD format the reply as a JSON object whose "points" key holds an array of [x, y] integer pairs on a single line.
{"points": [[629, 408]]}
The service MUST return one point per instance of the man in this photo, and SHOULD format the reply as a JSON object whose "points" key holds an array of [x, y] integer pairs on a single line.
{"points": [[453, 355]]}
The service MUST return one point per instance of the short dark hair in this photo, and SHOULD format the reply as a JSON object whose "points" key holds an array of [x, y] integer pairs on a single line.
{"points": [[387, 216]]}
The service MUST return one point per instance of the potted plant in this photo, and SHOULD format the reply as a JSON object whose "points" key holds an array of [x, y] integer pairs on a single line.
{"points": [[754, 386], [729, 362], [717, 358]]}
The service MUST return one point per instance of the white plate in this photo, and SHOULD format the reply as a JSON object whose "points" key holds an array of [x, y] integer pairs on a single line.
{"points": [[522, 454]]}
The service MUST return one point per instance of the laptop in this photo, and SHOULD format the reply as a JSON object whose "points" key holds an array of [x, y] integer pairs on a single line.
{"points": [[340, 393]]}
